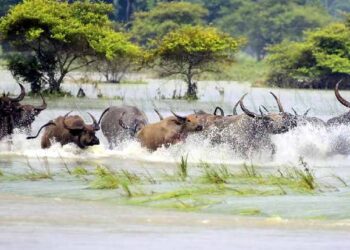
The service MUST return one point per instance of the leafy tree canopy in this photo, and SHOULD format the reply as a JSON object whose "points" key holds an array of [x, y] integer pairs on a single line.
{"points": [[164, 18], [269, 22], [324, 56], [192, 50], [58, 37]]}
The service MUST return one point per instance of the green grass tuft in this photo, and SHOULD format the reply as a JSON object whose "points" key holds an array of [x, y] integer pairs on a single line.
{"points": [[215, 175], [80, 171], [183, 167]]}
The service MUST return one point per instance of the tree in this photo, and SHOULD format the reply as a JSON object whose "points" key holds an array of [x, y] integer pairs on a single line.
{"points": [[192, 50], [165, 17], [318, 62], [54, 38], [119, 60], [269, 22], [218, 8]]}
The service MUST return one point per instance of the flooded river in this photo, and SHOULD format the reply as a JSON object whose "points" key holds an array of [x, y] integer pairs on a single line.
{"points": [[49, 199]]}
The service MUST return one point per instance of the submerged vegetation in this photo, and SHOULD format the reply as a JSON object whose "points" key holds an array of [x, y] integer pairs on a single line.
{"points": [[208, 185]]}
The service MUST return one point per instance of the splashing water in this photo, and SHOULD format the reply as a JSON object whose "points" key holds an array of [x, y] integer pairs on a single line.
{"points": [[319, 146]]}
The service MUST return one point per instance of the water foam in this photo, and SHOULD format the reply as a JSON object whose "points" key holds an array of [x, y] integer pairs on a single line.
{"points": [[320, 146]]}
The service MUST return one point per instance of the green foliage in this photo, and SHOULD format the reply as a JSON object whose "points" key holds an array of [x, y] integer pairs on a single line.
{"points": [[269, 22], [165, 17], [80, 171], [192, 50], [215, 175], [105, 179], [183, 167], [58, 37], [319, 61]]}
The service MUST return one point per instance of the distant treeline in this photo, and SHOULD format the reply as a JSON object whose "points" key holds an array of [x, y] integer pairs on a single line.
{"points": [[268, 27]]}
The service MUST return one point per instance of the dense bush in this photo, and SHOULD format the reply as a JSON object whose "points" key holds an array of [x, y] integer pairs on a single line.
{"points": [[321, 60]]}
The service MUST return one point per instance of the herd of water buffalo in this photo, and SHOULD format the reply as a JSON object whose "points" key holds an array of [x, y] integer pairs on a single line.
{"points": [[246, 133]]}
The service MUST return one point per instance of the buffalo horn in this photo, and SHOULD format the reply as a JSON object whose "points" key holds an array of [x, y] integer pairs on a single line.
{"points": [[103, 113], [295, 112], [234, 111], [280, 107], [181, 118], [307, 111], [42, 106], [339, 97], [265, 108], [159, 114], [246, 111], [95, 124], [21, 95], [221, 111], [261, 112]]}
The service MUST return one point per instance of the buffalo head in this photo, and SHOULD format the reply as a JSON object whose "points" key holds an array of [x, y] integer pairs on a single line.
{"points": [[135, 126], [274, 123], [84, 135]]}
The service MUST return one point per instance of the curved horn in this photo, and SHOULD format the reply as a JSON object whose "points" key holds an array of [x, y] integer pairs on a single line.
{"points": [[261, 112], [339, 97], [21, 95], [295, 112], [307, 111], [159, 114], [265, 108], [42, 106], [280, 107], [103, 113], [43, 126], [181, 118], [221, 111], [234, 111], [246, 111], [95, 124]]}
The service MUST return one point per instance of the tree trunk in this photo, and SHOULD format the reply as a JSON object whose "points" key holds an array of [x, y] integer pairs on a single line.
{"points": [[191, 86], [55, 85]]}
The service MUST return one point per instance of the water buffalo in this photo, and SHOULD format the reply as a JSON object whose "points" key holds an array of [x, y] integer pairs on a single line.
{"points": [[167, 131], [25, 117], [121, 123], [308, 120], [69, 129], [205, 119], [344, 118], [15, 115], [250, 133], [9, 109]]}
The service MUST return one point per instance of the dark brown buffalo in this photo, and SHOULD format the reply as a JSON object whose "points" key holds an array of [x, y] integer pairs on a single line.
{"points": [[69, 129], [344, 118], [9, 107], [27, 114], [167, 131], [15, 115]]}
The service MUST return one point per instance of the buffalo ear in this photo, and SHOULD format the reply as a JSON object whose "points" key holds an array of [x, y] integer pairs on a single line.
{"points": [[74, 123]]}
